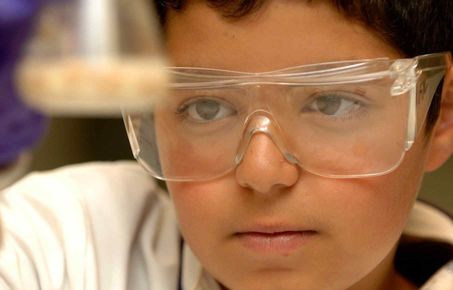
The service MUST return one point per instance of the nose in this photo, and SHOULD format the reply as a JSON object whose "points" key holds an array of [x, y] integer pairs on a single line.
{"points": [[263, 168]]}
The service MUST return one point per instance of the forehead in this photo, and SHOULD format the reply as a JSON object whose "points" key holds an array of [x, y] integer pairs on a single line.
{"points": [[280, 34]]}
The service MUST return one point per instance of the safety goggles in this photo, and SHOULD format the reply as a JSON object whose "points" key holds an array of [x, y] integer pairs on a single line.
{"points": [[345, 119]]}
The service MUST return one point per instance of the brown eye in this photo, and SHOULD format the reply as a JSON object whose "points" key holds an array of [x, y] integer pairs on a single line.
{"points": [[207, 109], [204, 110], [335, 104], [328, 105]]}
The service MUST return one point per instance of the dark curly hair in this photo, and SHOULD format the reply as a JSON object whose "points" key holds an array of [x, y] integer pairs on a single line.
{"points": [[414, 27]]}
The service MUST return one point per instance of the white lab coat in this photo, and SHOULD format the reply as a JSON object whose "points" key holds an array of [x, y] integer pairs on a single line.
{"points": [[14, 171], [107, 226]]}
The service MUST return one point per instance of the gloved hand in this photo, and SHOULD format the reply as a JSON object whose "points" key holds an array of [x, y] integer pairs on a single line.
{"points": [[20, 127]]}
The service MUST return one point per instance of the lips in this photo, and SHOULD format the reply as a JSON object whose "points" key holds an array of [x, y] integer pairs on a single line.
{"points": [[280, 241]]}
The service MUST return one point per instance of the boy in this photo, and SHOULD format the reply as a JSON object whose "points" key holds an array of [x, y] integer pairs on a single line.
{"points": [[293, 144]]}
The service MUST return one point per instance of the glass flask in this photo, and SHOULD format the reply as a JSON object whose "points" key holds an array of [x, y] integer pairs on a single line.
{"points": [[93, 58]]}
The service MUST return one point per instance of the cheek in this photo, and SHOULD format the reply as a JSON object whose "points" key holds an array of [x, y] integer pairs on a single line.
{"points": [[200, 206], [372, 213], [366, 217]]}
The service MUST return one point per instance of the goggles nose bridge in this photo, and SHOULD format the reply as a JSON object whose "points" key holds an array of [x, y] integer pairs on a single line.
{"points": [[261, 121]]}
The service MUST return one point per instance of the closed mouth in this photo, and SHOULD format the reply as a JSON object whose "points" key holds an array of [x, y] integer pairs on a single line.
{"points": [[275, 241]]}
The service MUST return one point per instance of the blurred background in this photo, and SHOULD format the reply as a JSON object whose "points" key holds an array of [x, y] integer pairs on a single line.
{"points": [[71, 141]]}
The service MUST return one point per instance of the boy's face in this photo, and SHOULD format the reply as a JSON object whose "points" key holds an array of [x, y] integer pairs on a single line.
{"points": [[269, 224]]}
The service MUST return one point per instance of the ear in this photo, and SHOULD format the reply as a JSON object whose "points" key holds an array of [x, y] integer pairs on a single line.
{"points": [[442, 136]]}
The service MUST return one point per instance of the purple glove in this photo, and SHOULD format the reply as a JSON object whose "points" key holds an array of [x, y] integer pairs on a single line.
{"points": [[20, 127]]}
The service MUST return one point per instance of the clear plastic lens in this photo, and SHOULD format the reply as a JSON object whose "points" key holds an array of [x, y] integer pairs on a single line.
{"points": [[333, 129]]}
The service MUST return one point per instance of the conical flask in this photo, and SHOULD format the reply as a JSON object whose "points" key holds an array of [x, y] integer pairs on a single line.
{"points": [[93, 58]]}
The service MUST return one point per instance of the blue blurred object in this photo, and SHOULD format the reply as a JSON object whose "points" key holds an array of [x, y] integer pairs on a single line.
{"points": [[20, 126]]}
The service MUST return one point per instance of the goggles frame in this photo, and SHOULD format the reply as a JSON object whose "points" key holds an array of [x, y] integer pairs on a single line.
{"points": [[407, 74]]}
